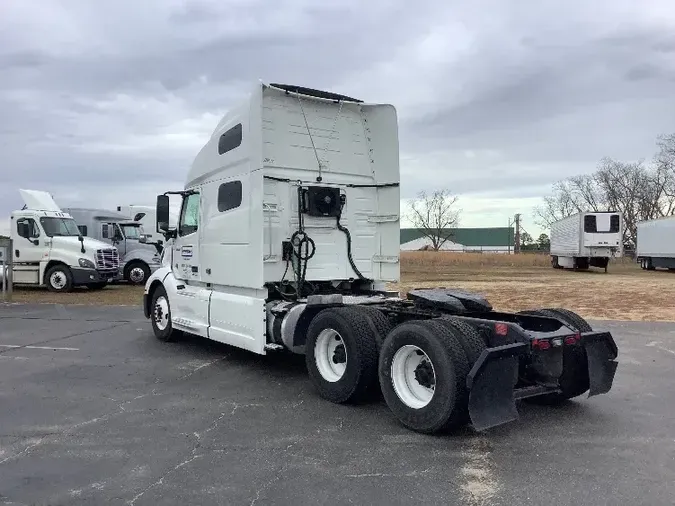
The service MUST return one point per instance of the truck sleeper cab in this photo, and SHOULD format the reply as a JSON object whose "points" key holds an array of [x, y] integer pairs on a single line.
{"points": [[287, 237]]}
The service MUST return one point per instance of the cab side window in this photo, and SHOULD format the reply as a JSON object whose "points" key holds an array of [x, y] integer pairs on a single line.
{"points": [[33, 228], [189, 216]]}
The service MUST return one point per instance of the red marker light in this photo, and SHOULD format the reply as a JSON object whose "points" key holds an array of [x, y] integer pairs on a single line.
{"points": [[541, 344], [501, 329], [573, 339]]}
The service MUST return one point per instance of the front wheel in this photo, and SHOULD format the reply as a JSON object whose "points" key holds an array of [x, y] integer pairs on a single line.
{"points": [[59, 279], [160, 316], [137, 273]]}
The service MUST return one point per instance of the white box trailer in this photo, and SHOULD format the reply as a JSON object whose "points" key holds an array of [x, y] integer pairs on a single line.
{"points": [[587, 239], [287, 235], [656, 244]]}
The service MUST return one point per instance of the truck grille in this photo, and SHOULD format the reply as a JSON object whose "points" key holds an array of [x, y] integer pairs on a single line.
{"points": [[107, 259]]}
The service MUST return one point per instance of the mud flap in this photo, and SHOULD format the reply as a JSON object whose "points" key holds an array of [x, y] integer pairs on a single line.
{"points": [[601, 352], [490, 383]]}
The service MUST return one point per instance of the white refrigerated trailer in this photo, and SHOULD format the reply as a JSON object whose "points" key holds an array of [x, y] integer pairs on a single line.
{"points": [[586, 240], [656, 244]]}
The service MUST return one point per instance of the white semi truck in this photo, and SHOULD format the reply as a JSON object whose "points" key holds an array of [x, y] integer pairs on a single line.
{"points": [[138, 258], [287, 236], [48, 249], [588, 239], [656, 244], [146, 216]]}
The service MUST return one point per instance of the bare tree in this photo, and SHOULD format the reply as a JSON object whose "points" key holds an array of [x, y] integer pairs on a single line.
{"points": [[435, 215]]}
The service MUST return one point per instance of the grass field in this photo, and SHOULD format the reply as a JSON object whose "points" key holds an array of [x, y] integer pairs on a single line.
{"points": [[510, 282]]}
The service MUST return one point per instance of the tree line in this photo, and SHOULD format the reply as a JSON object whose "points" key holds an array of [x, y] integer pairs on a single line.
{"points": [[640, 190]]}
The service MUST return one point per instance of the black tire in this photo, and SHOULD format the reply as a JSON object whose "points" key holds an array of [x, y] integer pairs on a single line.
{"points": [[574, 380], [167, 333], [359, 344], [136, 266], [58, 278], [570, 317], [448, 407], [382, 324], [467, 336], [97, 286]]}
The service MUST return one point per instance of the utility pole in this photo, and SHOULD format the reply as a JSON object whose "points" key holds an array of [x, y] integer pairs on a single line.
{"points": [[516, 247]]}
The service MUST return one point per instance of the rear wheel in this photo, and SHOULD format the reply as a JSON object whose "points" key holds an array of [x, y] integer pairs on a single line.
{"points": [[382, 324], [341, 354], [467, 336], [422, 370]]}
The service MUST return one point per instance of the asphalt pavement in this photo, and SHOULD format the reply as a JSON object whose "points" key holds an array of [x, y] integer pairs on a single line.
{"points": [[95, 410]]}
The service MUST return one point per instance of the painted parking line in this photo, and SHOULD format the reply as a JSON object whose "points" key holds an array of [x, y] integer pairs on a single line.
{"points": [[37, 347]]}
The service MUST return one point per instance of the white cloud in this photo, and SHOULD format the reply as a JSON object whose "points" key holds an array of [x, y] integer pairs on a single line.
{"points": [[113, 100]]}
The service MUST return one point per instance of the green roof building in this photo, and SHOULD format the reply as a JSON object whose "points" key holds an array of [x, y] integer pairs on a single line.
{"points": [[465, 239]]}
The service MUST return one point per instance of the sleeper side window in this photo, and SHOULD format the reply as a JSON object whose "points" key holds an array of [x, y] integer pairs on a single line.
{"points": [[229, 196], [230, 139]]}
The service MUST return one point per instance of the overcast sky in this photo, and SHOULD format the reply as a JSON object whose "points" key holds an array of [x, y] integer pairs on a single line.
{"points": [[106, 103]]}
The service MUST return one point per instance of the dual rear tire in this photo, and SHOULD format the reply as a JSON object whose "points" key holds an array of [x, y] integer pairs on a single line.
{"points": [[419, 366]]}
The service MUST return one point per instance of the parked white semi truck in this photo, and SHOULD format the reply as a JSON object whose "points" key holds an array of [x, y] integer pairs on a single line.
{"points": [[146, 216], [287, 236], [656, 244], [138, 259], [586, 240], [48, 249]]}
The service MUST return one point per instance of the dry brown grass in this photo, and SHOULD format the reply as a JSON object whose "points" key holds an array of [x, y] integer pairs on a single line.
{"points": [[517, 282], [112, 295], [510, 282]]}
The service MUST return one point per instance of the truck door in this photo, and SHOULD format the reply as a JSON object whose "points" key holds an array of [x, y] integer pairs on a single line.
{"points": [[111, 233], [186, 245], [119, 240], [28, 246], [191, 304]]}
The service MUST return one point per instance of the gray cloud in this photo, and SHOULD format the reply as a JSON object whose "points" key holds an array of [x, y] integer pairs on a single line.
{"points": [[105, 102]]}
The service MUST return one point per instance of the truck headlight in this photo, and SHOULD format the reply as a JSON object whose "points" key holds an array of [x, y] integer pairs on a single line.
{"points": [[86, 263]]}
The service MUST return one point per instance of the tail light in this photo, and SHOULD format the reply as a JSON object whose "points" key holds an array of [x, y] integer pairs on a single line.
{"points": [[573, 339], [541, 344]]}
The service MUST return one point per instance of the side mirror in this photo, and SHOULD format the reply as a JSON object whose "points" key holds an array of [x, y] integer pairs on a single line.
{"points": [[24, 230], [162, 213]]}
